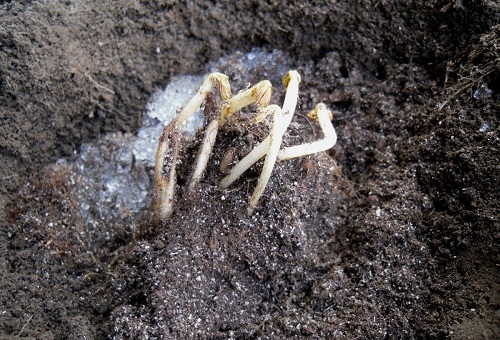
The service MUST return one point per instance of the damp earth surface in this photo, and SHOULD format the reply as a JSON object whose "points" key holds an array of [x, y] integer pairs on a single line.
{"points": [[392, 233]]}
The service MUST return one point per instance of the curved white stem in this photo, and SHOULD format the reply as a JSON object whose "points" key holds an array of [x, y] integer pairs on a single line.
{"points": [[170, 140], [328, 141], [291, 81], [221, 82], [276, 137], [260, 94], [250, 159], [204, 154]]}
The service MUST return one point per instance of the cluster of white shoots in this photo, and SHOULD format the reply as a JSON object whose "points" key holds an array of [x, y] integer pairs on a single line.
{"points": [[218, 111]]}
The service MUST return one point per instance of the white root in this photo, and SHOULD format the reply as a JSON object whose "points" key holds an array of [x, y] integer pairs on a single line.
{"points": [[324, 117], [291, 81], [204, 153], [221, 82], [250, 159], [260, 94], [165, 184], [271, 145], [276, 137], [169, 146], [166, 157]]}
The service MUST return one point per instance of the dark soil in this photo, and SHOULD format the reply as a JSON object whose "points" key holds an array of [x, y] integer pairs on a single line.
{"points": [[393, 233]]}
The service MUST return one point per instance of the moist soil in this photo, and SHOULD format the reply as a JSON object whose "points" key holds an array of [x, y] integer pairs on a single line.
{"points": [[392, 233]]}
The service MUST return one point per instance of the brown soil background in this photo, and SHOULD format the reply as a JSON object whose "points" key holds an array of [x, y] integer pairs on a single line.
{"points": [[391, 234]]}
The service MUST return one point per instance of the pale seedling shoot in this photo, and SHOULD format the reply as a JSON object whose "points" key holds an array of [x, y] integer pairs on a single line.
{"points": [[217, 113], [270, 147], [170, 141]]}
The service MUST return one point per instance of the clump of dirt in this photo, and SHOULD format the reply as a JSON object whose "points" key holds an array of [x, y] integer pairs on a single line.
{"points": [[458, 168], [56, 271], [393, 233]]}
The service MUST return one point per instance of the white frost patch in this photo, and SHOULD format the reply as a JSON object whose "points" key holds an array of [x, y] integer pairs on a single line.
{"points": [[164, 105], [161, 109], [111, 176]]}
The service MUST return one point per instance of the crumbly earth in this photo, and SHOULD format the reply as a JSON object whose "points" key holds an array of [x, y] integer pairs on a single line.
{"points": [[393, 233]]}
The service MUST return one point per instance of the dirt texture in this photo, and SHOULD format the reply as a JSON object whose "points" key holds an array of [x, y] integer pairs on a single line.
{"points": [[393, 233]]}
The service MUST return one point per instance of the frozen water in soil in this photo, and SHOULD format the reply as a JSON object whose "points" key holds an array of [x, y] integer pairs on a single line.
{"points": [[482, 91], [112, 177], [160, 111]]}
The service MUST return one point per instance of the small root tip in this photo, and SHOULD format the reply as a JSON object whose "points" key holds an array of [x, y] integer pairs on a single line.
{"points": [[292, 74], [250, 210], [313, 114]]}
